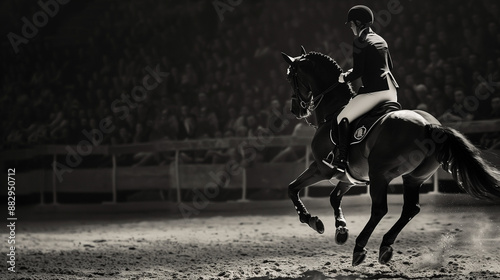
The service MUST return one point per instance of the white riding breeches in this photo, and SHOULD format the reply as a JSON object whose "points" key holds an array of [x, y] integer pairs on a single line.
{"points": [[363, 103]]}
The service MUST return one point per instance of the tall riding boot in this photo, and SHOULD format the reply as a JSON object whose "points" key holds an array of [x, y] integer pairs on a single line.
{"points": [[340, 160]]}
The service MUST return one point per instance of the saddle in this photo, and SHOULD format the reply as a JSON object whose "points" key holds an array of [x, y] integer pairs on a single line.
{"points": [[363, 125]]}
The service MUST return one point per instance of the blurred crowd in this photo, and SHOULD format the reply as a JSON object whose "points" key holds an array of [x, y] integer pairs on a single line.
{"points": [[226, 77]]}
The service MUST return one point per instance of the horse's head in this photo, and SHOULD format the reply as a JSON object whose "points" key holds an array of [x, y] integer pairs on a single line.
{"points": [[312, 75], [299, 76]]}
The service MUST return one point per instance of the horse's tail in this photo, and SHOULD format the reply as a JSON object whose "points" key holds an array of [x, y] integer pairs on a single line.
{"points": [[463, 160]]}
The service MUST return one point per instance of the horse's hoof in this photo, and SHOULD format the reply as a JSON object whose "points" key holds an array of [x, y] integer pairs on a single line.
{"points": [[358, 257], [316, 224], [340, 223], [304, 218], [385, 254], [341, 235]]}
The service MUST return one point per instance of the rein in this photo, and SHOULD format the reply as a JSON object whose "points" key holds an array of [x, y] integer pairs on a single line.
{"points": [[324, 92]]}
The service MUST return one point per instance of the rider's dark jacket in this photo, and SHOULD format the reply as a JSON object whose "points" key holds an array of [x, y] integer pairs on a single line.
{"points": [[372, 62]]}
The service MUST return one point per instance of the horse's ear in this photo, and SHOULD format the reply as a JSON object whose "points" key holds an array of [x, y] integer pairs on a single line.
{"points": [[287, 58], [302, 50]]}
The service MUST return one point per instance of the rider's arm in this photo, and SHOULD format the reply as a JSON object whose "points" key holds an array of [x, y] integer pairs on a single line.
{"points": [[358, 57]]}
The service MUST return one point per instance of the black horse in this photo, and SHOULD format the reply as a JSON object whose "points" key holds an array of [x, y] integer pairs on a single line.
{"points": [[407, 143]]}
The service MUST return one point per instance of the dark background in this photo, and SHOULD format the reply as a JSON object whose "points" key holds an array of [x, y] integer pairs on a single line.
{"points": [[66, 78]]}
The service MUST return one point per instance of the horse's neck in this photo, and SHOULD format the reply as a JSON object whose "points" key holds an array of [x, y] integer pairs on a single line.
{"points": [[331, 104]]}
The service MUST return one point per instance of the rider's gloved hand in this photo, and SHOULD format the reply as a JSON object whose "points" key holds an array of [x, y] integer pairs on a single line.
{"points": [[342, 76]]}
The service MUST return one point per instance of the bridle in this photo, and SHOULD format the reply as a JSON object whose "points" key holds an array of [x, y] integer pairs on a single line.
{"points": [[310, 105]]}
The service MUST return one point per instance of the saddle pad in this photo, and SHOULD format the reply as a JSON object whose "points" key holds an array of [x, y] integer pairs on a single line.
{"points": [[363, 125]]}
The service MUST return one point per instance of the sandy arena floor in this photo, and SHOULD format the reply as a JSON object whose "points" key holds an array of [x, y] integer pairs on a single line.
{"points": [[442, 242]]}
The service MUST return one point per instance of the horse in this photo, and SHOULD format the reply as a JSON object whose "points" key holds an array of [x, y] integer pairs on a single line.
{"points": [[408, 143]]}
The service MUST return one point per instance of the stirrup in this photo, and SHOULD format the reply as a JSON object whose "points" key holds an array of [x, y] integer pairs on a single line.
{"points": [[329, 162], [341, 167]]}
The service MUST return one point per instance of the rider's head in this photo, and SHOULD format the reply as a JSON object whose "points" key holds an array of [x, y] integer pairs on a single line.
{"points": [[359, 17]]}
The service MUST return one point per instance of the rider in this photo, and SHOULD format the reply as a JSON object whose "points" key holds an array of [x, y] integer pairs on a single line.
{"points": [[372, 63]]}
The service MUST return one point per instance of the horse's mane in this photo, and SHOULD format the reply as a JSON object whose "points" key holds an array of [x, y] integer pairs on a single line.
{"points": [[327, 63], [324, 60]]}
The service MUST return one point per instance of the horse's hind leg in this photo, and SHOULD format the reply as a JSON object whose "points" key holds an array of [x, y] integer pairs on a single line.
{"points": [[310, 176], [378, 194], [341, 233], [411, 207]]}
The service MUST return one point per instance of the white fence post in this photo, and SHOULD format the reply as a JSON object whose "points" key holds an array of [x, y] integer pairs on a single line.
{"points": [[54, 182], [177, 176], [244, 184], [42, 188], [113, 178]]}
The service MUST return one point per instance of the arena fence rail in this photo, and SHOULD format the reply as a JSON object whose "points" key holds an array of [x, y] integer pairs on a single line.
{"points": [[177, 176]]}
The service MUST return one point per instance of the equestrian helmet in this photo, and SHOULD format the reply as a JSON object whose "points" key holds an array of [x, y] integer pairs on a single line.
{"points": [[360, 13]]}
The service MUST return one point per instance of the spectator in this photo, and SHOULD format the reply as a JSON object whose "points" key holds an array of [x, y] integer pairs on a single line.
{"points": [[140, 135], [437, 102], [241, 120], [223, 155], [458, 111], [254, 129], [207, 122], [241, 132], [259, 112], [491, 140], [123, 137], [421, 94], [188, 124], [231, 120], [220, 60], [293, 153], [436, 62]]}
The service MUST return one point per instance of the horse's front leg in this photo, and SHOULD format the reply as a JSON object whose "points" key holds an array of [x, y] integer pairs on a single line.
{"points": [[341, 232], [310, 176]]}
